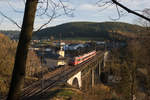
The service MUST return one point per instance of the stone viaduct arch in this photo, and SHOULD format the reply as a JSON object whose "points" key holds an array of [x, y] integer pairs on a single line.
{"points": [[75, 80]]}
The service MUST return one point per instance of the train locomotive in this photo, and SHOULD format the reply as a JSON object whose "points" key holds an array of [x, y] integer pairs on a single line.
{"points": [[79, 59]]}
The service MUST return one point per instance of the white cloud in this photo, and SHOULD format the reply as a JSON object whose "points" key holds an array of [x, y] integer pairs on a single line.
{"points": [[88, 7]]}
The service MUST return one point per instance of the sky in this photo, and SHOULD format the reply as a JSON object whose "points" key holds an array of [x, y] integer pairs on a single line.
{"points": [[82, 10]]}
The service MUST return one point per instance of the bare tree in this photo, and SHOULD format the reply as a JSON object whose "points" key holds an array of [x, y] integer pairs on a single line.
{"points": [[47, 10], [143, 22], [18, 75], [117, 3]]}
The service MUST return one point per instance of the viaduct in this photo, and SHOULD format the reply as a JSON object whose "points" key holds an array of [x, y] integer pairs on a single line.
{"points": [[89, 73]]}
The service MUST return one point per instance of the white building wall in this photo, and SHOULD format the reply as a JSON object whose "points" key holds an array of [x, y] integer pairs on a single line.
{"points": [[61, 53], [61, 62]]}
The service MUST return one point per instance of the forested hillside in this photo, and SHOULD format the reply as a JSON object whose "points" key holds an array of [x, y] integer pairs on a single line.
{"points": [[89, 30], [7, 57], [131, 65], [105, 30]]}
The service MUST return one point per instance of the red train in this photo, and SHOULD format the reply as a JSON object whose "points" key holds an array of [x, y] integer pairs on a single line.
{"points": [[82, 58]]}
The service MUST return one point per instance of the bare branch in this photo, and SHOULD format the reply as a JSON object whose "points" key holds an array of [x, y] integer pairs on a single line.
{"points": [[102, 4], [66, 10], [105, 4], [42, 6], [119, 15], [52, 7], [11, 20], [45, 9], [15, 10], [47, 22], [130, 11]]}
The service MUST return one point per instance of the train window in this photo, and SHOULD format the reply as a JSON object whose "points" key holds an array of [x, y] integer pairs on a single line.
{"points": [[78, 59]]}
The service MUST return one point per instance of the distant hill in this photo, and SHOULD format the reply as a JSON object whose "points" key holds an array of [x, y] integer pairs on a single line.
{"points": [[105, 30], [85, 30], [11, 34]]}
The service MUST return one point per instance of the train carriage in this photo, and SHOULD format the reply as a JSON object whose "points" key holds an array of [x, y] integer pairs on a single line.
{"points": [[82, 58]]}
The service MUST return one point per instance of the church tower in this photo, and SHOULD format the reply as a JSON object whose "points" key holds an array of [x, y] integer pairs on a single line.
{"points": [[61, 52]]}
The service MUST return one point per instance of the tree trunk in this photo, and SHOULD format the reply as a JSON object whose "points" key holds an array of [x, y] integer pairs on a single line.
{"points": [[18, 75]]}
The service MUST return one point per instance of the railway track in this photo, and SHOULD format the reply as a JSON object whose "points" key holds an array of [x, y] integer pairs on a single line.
{"points": [[35, 88]]}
